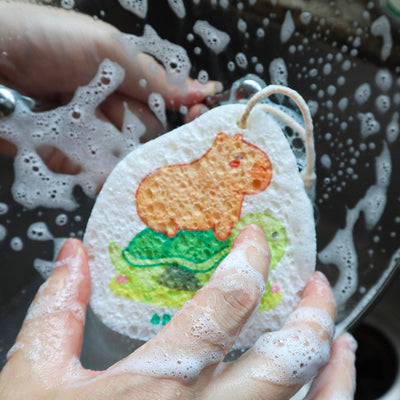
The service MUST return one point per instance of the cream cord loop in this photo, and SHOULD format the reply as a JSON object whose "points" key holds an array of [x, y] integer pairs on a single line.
{"points": [[307, 134]]}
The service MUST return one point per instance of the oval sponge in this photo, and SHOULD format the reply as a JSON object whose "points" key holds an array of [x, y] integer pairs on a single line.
{"points": [[169, 212]]}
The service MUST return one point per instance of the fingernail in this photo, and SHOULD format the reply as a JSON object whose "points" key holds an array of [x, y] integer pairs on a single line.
{"points": [[249, 232], [211, 88], [350, 341], [257, 249], [321, 277], [70, 248]]}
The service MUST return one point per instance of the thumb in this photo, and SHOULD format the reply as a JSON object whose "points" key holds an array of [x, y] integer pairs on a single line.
{"points": [[50, 339]]}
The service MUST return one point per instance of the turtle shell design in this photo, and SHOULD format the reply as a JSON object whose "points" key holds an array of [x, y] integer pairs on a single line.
{"points": [[167, 271]]}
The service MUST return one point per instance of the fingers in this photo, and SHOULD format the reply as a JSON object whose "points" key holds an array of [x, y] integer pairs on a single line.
{"points": [[143, 76], [337, 380], [316, 310], [194, 112], [204, 330], [114, 109], [57, 161], [49, 51], [42, 41], [281, 362], [7, 148], [51, 336]]}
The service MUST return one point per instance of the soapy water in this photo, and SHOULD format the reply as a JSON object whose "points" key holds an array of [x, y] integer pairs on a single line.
{"points": [[353, 103], [295, 356], [341, 250], [140, 7], [174, 58], [73, 130], [215, 39]]}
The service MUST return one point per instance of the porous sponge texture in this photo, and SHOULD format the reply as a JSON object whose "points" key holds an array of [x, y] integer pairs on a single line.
{"points": [[206, 193], [236, 173]]}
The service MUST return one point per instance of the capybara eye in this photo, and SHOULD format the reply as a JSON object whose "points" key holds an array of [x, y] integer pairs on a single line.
{"points": [[234, 164]]}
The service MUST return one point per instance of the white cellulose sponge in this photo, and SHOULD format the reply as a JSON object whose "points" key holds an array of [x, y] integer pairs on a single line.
{"points": [[169, 212]]}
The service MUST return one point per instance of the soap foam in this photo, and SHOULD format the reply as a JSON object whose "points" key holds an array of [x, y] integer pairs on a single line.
{"points": [[293, 356], [16, 243], [178, 7], [204, 343], [157, 105], [341, 250], [215, 39], [382, 103], [238, 275], [3, 208], [160, 364], [46, 325], [278, 72], [39, 231], [65, 300], [314, 315], [392, 130], [384, 80], [381, 28], [73, 370], [241, 60], [3, 232], [173, 57], [362, 93], [288, 27], [61, 219], [369, 124], [45, 347], [137, 7], [67, 4], [84, 139]]}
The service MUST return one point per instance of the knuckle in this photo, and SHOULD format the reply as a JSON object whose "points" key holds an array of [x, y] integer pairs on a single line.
{"points": [[241, 301]]}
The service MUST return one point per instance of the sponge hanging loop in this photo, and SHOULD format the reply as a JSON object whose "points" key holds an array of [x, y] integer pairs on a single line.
{"points": [[307, 134]]}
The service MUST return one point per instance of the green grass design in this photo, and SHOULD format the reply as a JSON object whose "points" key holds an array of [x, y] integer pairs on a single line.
{"points": [[141, 274]]}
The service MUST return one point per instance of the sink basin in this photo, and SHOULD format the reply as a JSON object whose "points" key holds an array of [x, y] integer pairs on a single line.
{"points": [[343, 58], [378, 355]]}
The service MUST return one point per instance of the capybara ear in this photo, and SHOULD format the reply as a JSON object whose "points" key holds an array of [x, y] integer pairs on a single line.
{"points": [[221, 137], [238, 137]]}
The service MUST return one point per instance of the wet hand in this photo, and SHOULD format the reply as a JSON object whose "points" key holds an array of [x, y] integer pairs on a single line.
{"points": [[185, 360], [46, 53]]}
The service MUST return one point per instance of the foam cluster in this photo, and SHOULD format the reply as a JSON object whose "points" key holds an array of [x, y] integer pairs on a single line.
{"points": [[65, 299], [137, 7], [173, 57], [204, 343], [313, 315], [235, 274], [341, 250], [294, 356], [215, 39], [93, 146]]}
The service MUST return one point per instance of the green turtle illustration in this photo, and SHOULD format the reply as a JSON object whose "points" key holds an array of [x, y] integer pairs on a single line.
{"points": [[167, 271]]}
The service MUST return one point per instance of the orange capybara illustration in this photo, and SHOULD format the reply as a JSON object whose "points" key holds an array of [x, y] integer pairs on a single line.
{"points": [[206, 193]]}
